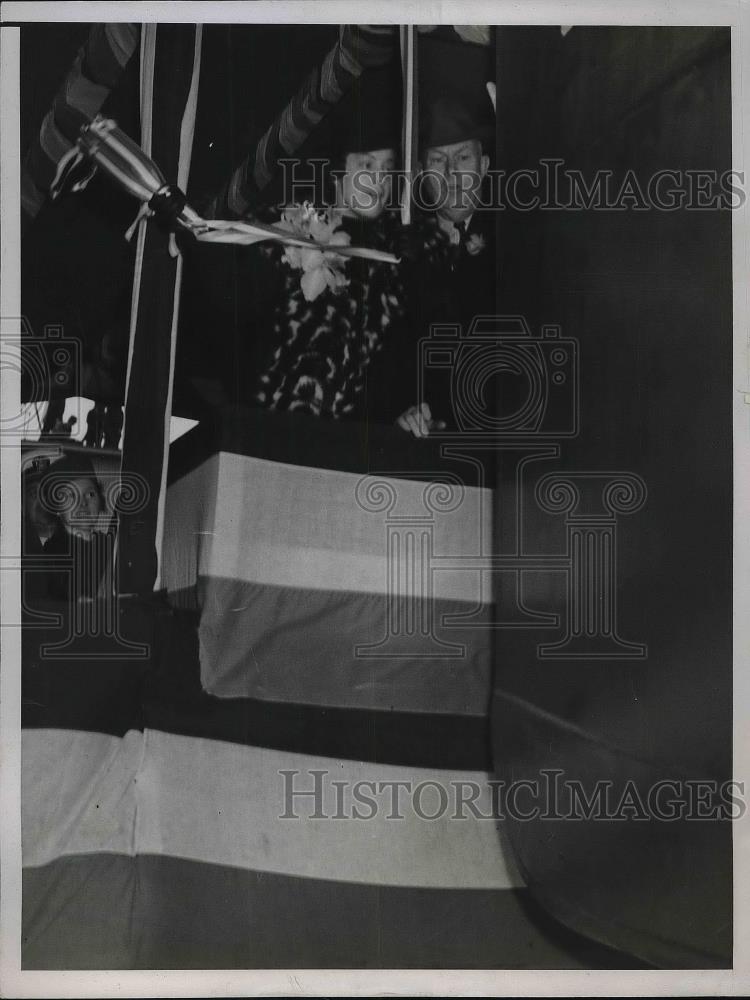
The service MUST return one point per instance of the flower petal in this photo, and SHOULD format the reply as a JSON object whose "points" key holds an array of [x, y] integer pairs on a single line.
{"points": [[313, 282], [311, 258], [293, 257], [340, 239]]}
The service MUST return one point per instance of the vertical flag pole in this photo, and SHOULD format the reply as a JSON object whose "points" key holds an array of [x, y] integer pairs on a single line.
{"points": [[170, 59]]}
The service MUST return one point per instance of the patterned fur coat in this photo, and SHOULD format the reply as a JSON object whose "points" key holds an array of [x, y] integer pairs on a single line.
{"points": [[321, 350]]}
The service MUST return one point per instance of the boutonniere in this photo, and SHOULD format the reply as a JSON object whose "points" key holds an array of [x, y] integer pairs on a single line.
{"points": [[475, 244], [321, 268]]}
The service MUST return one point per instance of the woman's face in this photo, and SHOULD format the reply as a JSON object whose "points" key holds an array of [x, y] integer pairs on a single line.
{"points": [[365, 187], [82, 507]]}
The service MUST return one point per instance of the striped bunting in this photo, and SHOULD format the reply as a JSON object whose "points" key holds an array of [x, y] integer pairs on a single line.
{"points": [[359, 47], [89, 82]]}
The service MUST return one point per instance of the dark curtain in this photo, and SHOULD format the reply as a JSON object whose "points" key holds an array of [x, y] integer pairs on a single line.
{"points": [[647, 295]]}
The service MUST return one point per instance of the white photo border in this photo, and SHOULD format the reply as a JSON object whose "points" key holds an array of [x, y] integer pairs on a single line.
{"points": [[15, 982]]}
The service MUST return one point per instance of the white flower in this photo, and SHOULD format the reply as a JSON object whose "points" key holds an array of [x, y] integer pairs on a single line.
{"points": [[475, 244], [320, 267], [313, 282]]}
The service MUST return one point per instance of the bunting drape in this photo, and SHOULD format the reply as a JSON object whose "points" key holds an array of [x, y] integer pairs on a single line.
{"points": [[92, 77], [359, 47]]}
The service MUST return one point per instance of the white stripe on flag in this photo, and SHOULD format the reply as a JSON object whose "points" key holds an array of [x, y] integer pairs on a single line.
{"points": [[220, 803], [295, 526]]}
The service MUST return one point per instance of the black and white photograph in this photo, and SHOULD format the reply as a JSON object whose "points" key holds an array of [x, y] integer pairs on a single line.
{"points": [[374, 450]]}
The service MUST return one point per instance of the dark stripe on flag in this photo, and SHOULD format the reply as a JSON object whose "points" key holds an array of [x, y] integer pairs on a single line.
{"points": [[446, 742], [300, 645], [176, 914], [114, 695]]}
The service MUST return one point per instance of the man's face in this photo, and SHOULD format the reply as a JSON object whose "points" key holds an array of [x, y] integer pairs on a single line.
{"points": [[365, 187], [82, 507], [455, 175]]}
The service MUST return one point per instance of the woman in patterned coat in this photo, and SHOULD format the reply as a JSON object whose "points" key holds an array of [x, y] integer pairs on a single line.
{"points": [[332, 319], [332, 316]]}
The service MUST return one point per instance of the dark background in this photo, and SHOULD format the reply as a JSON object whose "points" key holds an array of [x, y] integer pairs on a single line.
{"points": [[648, 295]]}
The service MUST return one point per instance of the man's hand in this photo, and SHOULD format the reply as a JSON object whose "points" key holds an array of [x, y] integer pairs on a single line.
{"points": [[417, 420]]}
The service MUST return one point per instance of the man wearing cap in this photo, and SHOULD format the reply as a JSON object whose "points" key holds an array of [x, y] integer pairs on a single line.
{"points": [[455, 283]]}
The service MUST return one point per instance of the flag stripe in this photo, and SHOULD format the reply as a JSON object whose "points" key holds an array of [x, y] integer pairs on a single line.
{"points": [[286, 525], [253, 808], [178, 914], [112, 696], [333, 649]]}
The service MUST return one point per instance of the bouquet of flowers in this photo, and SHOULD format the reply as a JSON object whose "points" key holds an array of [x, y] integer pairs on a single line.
{"points": [[321, 268]]}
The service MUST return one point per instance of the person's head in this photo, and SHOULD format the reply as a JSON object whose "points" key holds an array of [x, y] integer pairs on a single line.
{"points": [[456, 122], [454, 174], [72, 490], [80, 517], [363, 182], [361, 138]]}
